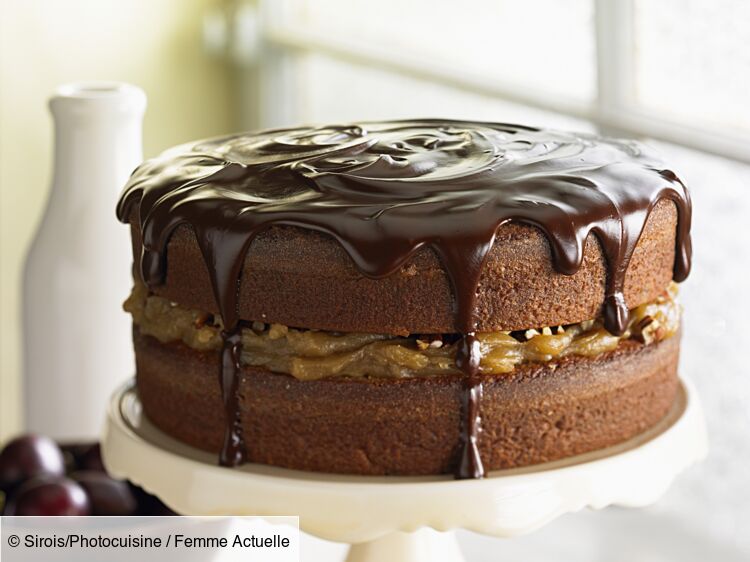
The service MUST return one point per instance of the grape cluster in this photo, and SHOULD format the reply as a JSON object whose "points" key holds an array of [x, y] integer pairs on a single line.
{"points": [[40, 477]]}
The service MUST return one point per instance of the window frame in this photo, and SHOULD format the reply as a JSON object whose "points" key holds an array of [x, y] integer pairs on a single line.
{"points": [[268, 30]]}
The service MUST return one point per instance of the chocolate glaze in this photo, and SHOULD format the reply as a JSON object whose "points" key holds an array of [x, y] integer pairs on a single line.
{"points": [[384, 190]]}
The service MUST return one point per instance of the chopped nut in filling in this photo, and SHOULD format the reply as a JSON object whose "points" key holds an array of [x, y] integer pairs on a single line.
{"points": [[314, 354]]}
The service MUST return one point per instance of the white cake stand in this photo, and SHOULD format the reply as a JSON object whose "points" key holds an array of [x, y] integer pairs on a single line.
{"points": [[399, 518]]}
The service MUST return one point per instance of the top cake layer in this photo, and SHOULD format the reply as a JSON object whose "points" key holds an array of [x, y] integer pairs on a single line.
{"points": [[416, 226]]}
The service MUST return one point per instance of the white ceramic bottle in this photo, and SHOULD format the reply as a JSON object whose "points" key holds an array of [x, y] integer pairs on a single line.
{"points": [[77, 343]]}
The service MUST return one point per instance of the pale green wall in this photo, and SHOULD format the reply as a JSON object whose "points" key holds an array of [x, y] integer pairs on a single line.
{"points": [[155, 44]]}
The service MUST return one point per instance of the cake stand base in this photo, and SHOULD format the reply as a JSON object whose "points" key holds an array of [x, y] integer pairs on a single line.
{"points": [[403, 518], [422, 545]]}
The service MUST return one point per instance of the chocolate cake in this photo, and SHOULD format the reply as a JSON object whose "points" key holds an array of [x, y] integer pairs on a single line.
{"points": [[406, 297]]}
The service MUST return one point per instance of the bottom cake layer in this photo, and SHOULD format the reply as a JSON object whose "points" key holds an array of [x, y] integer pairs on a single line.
{"points": [[410, 426]]}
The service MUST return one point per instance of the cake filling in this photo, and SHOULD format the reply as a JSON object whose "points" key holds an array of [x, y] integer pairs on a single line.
{"points": [[316, 354]]}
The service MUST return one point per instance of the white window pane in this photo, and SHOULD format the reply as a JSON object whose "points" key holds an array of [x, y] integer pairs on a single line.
{"points": [[545, 44], [714, 329], [693, 60], [330, 91]]}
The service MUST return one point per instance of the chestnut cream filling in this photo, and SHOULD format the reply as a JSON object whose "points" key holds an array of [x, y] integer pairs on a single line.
{"points": [[314, 354]]}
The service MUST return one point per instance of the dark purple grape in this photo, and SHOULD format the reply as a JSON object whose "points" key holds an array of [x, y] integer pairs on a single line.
{"points": [[83, 456], [27, 457], [73, 453], [49, 496], [91, 459], [106, 495], [149, 504], [159, 509]]}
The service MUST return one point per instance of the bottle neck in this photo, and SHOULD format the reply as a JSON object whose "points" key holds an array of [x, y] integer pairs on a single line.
{"points": [[104, 152], [97, 138]]}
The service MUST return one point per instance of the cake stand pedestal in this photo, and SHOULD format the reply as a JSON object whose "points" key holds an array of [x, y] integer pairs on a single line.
{"points": [[405, 519]]}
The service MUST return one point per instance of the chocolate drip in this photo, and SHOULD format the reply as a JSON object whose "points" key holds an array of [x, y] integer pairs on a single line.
{"points": [[463, 259], [467, 359], [384, 190], [233, 449]]}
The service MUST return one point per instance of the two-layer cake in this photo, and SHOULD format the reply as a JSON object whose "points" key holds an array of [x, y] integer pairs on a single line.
{"points": [[409, 297]]}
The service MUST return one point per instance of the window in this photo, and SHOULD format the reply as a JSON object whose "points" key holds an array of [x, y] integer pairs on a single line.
{"points": [[699, 71], [673, 70]]}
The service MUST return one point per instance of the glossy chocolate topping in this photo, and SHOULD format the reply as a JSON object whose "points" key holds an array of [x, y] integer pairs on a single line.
{"points": [[383, 190]]}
